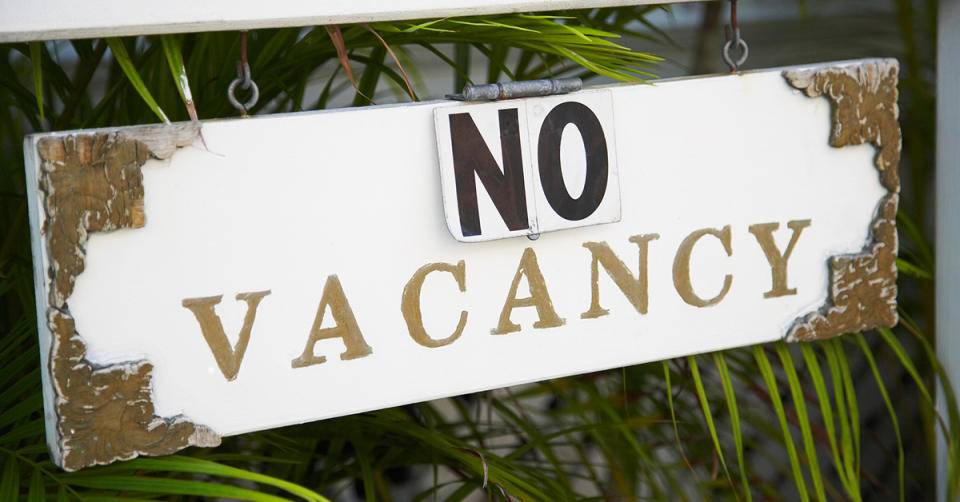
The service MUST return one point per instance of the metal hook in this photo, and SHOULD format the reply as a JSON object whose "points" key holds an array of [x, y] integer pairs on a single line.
{"points": [[734, 41], [243, 80], [742, 46]]}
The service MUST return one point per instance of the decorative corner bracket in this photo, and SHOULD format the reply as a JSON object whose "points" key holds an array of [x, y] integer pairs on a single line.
{"points": [[863, 286], [92, 183]]}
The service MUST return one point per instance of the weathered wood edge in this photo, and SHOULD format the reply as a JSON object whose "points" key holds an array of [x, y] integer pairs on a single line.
{"points": [[91, 182], [863, 286]]}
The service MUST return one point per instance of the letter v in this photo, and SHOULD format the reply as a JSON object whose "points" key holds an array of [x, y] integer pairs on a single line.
{"points": [[228, 358]]}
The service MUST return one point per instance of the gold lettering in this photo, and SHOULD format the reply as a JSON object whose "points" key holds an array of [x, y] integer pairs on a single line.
{"points": [[228, 358], [681, 267], [539, 298], [410, 304], [346, 328], [778, 262], [634, 289]]}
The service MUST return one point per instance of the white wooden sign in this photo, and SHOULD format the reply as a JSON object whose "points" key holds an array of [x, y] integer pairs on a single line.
{"points": [[302, 267], [55, 19]]}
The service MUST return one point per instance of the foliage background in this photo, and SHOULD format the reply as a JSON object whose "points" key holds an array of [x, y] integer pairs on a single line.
{"points": [[848, 419]]}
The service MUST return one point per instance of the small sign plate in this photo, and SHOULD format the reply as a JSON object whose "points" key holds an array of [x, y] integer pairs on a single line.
{"points": [[526, 166]]}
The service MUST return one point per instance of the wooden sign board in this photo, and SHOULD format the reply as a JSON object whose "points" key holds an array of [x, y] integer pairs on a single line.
{"points": [[301, 266], [58, 19]]}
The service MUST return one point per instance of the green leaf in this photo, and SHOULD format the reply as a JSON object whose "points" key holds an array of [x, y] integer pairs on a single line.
{"points": [[853, 409], [15, 366], [907, 363], [948, 392], [370, 77], [707, 415], [21, 410], [174, 56], [912, 270], [36, 61], [26, 383], [37, 491], [126, 64], [177, 463], [728, 392], [28, 430], [826, 412], [767, 371], [889, 404], [166, 486], [10, 479], [910, 228], [673, 415], [366, 474], [803, 419]]}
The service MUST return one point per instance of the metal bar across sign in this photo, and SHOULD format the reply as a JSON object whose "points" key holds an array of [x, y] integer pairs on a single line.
{"points": [[312, 265]]}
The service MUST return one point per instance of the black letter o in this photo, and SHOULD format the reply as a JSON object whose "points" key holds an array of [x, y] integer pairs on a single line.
{"points": [[548, 155]]}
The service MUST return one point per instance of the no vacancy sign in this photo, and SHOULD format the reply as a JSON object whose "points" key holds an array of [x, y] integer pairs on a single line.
{"points": [[312, 265]]}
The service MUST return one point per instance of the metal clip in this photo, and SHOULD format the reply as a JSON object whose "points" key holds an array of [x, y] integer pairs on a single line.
{"points": [[521, 89]]}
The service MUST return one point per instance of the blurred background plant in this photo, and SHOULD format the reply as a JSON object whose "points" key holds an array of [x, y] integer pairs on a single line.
{"points": [[846, 419]]}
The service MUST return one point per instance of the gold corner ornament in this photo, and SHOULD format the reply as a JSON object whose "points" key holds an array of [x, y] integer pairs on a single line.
{"points": [[92, 183], [863, 286]]}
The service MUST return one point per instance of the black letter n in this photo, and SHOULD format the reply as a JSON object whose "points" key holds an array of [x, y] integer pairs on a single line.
{"points": [[471, 155]]}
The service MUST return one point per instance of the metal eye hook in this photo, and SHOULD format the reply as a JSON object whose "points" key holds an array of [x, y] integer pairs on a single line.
{"points": [[734, 41], [741, 45], [243, 80]]}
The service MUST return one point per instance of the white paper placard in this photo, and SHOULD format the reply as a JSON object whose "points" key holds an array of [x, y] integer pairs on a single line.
{"points": [[339, 216], [568, 165]]}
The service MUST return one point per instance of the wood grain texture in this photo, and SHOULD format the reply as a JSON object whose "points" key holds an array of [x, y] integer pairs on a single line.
{"points": [[91, 182], [863, 286]]}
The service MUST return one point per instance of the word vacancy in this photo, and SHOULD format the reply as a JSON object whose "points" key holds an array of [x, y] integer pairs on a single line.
{"points": [[633, 287]]}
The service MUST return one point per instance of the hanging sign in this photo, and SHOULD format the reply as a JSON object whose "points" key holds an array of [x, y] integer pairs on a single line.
{"points": [[312, 265]]}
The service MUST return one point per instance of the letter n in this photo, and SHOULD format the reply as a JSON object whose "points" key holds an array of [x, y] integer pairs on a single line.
{"points": [[634, 289], [505, 188]]}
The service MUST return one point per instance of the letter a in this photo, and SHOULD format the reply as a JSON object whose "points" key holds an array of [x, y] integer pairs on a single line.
{"points": [[346, 327], [228, 358], [539, 298]]}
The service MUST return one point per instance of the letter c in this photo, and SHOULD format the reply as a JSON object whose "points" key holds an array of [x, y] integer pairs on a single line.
{"points": [[410, 303], [681, 267]]}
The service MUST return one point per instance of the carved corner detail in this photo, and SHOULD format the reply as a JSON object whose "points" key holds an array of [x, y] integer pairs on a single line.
{"points": [[91, 182], [863, 286]]}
